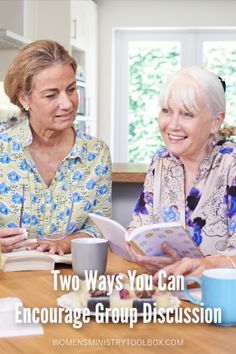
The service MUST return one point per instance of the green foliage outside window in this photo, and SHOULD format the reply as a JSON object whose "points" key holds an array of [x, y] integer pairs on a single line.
{"points": [[150, 64], [220, 57]]}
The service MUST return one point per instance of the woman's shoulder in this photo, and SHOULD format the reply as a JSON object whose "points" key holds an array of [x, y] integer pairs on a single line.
{"points": [[6, 137], [161, 153], [90, 142], [226, 149], [15, 137]]}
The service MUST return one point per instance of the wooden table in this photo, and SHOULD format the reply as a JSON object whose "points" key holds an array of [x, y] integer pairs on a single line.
{"points": [[35, 290], [129, 172]]}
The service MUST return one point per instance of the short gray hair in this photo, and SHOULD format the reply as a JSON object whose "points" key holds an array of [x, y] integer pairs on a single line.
{"points": [[185, 92]]}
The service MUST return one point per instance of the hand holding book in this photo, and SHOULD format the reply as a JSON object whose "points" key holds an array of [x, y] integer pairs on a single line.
{"points": [[147, 239], [154, 263]]}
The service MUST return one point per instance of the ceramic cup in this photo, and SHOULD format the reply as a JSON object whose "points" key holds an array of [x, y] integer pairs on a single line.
{"points": [[89, 254], [218, 291]]}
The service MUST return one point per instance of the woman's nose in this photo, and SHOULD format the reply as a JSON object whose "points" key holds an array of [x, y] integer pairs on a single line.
{"points": [[175, 120], [64, 101]]}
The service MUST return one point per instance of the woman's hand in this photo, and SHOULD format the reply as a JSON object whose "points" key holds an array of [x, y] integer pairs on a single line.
{"points": [[12, 238], [194, 266], [60, 247], [154, 263]]}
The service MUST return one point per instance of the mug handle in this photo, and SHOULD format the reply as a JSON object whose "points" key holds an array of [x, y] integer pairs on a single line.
{"points": [[186, 290]]}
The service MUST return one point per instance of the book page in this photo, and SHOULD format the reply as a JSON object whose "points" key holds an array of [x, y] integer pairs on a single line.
{"points": [[114, 233], [66, 259], [22, 259]]}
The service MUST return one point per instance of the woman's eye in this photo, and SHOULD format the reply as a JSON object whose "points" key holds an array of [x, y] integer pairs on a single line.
{"points": [[71, 90], [188, 114], [165, 110], [50, 97]]}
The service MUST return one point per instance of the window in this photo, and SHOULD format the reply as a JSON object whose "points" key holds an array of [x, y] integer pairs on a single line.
{"points": [[143, 61]]}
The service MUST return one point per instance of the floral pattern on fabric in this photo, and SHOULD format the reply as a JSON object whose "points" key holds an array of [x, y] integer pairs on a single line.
{"points": [[195, 226], [83, 177], [230, 199], [209, 210], [145, 198]]}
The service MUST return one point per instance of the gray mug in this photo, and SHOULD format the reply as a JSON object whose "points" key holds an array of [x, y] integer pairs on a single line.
{"points": [[89, 254]]}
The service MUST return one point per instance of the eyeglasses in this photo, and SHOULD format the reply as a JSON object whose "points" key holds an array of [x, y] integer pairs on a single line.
{"points": [[57, 235], [22, 206]]}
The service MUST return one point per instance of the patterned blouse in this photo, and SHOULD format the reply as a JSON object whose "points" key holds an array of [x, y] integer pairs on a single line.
{"points": [[208, 212], [82, 184]]}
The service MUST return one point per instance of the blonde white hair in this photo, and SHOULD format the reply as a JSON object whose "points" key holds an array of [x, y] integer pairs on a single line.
{"points": [[193, 86]]}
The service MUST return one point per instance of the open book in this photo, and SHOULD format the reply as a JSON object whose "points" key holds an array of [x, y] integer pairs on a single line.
{"points": [[147, 240], [19, 260]]}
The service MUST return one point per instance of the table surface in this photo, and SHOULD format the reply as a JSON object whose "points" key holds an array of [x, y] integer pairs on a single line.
{"points": [[129, 172], [35, 289]]}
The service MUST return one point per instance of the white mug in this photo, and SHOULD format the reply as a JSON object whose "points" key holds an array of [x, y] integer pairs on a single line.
{"points": [[89, 254]]}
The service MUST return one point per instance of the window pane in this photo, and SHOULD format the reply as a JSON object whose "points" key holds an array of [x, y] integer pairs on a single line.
{"points": [[220, 57], [150, 63]]}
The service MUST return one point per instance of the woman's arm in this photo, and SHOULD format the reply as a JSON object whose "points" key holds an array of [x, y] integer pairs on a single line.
{"points": [[195, 266], [143, 215], [231, 209], [143, 210]]}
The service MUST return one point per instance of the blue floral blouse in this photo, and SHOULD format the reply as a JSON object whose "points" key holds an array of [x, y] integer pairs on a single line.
{"points": [[208, 212], [82, 184]]}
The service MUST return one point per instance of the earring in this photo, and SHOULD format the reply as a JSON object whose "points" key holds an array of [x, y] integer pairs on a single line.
{"points": [[26, 108], [213, 143]]}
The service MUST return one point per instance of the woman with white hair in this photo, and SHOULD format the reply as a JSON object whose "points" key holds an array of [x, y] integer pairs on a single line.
{"points": [[193, 179]]}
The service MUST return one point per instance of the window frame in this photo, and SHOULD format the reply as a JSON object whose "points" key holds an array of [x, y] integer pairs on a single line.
{"points": [[191, 40]]}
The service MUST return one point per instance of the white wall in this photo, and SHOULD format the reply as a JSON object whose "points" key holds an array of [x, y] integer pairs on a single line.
{"points": [[52, 21], [11, 18], [34, 19], [11, 15], [148, 13]]}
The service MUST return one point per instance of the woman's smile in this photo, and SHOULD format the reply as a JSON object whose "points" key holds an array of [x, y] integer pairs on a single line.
{"points": [[174, 138]]}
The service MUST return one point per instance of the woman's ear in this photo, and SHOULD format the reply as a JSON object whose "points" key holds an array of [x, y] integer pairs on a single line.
{"points": [[22, 97], [217, 122]]}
